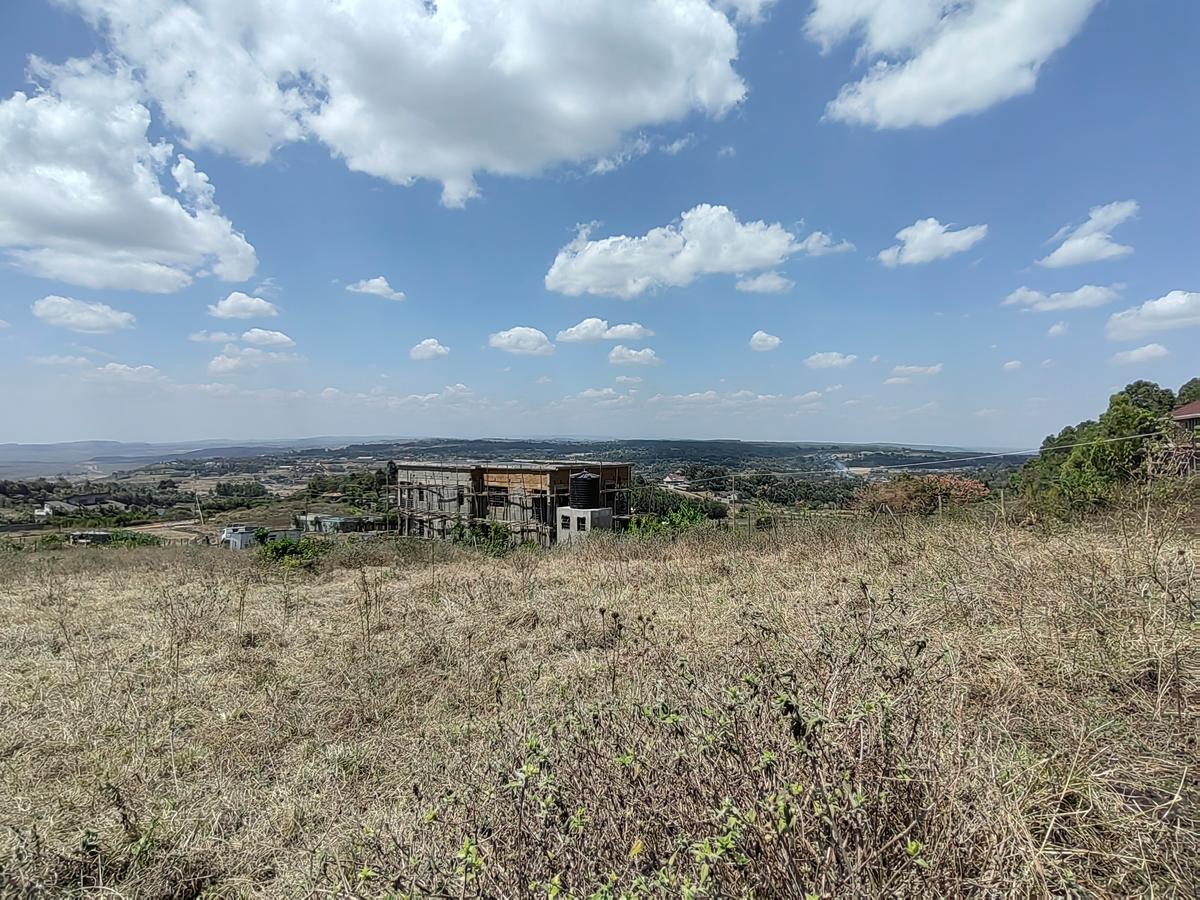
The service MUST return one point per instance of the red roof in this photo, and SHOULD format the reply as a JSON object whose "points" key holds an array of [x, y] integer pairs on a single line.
{"points": [[1187, 411]]}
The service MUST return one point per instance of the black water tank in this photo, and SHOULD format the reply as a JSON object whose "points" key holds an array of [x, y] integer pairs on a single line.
{"points": [[585, 491]]}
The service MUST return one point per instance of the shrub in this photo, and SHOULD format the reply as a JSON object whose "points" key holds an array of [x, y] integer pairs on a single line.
{"points": [[920, 494], [133, 539], [656, 501], [302, 552], [685, 518], [240, 489], [492, 537]]}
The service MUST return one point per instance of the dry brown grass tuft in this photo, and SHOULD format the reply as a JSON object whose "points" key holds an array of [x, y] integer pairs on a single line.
{"points": [[902, 708]]}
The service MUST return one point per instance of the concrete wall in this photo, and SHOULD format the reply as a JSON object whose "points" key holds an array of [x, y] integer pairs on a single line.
{"points": [[577, 524]]}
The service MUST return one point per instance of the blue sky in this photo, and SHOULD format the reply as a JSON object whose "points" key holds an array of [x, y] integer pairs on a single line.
{"points": [[456, 151]]}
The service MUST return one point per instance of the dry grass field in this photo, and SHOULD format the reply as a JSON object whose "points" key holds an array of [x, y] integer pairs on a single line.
{"points": [[904, 708]]}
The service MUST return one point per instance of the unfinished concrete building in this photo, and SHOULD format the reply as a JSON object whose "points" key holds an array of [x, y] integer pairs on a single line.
{"points": [[528, 497]]}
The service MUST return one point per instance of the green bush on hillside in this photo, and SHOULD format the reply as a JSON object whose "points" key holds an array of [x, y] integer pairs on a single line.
{"points": [[303, 552], [686, 518], [1086, 466], [492, 537], [656, 501], [133, 539]]}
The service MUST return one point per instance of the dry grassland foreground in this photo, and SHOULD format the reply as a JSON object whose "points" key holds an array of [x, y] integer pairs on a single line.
{"points": [[908, 708]]}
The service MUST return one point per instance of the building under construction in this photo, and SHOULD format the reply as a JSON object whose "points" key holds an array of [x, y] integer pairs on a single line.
{"points": [[541, 502]]}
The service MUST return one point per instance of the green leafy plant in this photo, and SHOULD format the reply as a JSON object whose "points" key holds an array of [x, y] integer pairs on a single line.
{"points": [[303, 552], [686, 518]]}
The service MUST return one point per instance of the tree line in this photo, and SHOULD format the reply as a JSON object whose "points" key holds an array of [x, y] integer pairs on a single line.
{"points": [[1087, 465]]}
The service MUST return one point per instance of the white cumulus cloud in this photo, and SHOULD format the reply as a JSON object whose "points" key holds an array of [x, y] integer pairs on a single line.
{"points": [[1092, 241], [707, 240], [830, 360], [235, 359], [1058, 329], [87, 198], [1086, 297], [935, 369], [621, 355], [522, 341], [594, 329], [242, 306], [927, 240], [820, 244], [430, 348], [123, 373], [212, 337], [1012, 365], [420, 90], [1140, 354], [763, 342], [261, 337], [378, 286], [766, 283], [934, 60], [77, 315], [1178, 309]]}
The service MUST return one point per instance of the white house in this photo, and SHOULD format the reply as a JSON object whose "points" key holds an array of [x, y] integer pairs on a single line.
{"points": [[53, 508], [238, 537]]}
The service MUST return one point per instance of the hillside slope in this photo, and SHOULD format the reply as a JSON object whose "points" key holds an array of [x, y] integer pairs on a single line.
{"points": [[912, 708]]}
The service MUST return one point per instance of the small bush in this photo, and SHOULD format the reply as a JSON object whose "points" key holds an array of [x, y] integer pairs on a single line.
{"points": [[303, 552], [685, 518], [492, 537], [920, 494], [134, 539]]}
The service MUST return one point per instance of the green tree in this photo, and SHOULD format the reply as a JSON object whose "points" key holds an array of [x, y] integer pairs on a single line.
{"points": [[1189, 392], [1084, 465], [1148, 396]]}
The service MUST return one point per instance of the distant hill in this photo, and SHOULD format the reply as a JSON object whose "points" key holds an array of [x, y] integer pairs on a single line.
{"points": [[99, 458], [105, 457]]}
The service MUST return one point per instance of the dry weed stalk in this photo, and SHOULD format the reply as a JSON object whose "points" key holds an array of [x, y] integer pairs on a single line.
{"points": [[845, 709]]}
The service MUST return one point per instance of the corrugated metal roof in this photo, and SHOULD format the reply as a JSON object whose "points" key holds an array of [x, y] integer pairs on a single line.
{"points": [[1187, 411]]}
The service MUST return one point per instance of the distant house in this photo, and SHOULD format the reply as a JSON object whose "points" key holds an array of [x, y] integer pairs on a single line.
{"points": [[243, 537], [53, 508], [1188, 416], [238, 537], [677, 481]]}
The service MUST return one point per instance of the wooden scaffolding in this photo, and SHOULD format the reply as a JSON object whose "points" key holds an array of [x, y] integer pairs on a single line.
{"points": [[433, 498]]}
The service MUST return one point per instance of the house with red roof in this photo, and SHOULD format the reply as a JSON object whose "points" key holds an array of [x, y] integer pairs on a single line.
{"points": [[1188, 415]]}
